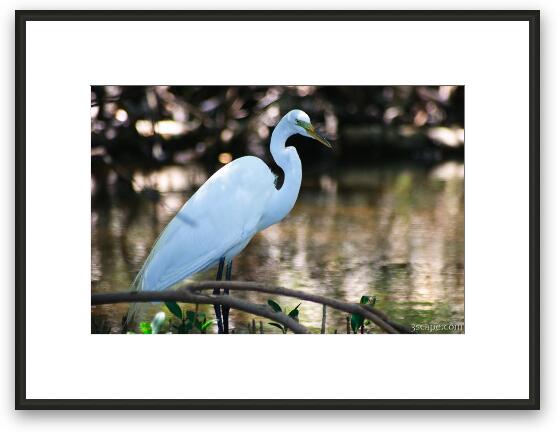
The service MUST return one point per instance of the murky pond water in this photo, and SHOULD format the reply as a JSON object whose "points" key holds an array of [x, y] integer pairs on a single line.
{"points": [[396, 233]]}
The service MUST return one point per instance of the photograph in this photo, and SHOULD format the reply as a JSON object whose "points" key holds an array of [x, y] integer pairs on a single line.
{"points": [[277, 209]]}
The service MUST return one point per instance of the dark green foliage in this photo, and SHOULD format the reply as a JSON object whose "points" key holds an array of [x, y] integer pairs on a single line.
{"points": [[279, 326], [368, 300], [357, 321], [294, 313], [189, 321], [174, 308], [274, 305], [192, 322]]}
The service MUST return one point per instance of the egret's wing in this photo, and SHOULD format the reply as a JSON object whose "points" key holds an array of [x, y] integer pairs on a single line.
{"points": [[222, 214]]}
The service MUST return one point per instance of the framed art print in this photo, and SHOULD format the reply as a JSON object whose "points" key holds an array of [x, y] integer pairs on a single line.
{"points": [[277, 210]]}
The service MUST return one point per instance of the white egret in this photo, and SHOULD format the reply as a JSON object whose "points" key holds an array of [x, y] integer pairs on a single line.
{"points": [[218, 221]]}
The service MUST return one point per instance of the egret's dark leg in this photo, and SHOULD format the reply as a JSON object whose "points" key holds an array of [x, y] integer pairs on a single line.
{"points": [[225, 310], [216, 291]]}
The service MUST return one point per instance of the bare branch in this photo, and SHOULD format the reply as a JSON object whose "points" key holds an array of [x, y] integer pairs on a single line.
{"points": [[352, 308], [186, 296], [186, 292]]}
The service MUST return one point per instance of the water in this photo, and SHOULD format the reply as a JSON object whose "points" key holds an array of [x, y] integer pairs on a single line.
{"points": [[396, 233]]}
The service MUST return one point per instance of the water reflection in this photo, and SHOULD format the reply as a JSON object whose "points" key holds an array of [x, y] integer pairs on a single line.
{"points": [[396, 233]]}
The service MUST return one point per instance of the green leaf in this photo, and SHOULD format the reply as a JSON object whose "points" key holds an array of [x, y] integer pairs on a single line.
{"points": [[277, 326], [185, 328], [274, 305], [174, 308], [364, 300], [145, 327], [294, 313], [356, 322], [190, 315], [206, 325]]}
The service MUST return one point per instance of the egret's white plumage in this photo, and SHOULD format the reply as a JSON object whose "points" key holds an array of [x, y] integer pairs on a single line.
{"points": [[220, 219], [222, 215]]}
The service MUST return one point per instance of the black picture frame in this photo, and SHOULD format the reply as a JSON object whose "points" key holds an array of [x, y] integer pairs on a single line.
{"points": [[531, 16]]}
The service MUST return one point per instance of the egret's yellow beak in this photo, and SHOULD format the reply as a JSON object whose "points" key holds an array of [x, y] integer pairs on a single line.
{"points": [[313, 133]]}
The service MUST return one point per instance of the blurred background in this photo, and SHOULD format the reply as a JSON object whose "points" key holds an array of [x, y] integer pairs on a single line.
{"points": [[382, 214]]}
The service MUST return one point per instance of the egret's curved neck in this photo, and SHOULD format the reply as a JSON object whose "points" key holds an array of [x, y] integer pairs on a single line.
{"points": [[288, 160], [281, 133]]}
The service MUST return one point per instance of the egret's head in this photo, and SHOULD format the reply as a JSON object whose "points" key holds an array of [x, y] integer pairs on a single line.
{"points": [[300, 122]]}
